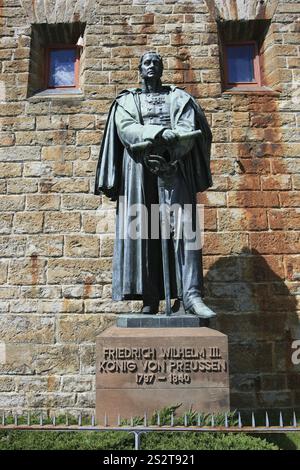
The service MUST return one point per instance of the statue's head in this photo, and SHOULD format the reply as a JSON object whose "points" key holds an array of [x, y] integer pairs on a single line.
{"points": [[151, 65]]}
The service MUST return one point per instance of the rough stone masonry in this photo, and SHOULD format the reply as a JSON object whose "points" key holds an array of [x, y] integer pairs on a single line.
{"points": [[55, 242]]}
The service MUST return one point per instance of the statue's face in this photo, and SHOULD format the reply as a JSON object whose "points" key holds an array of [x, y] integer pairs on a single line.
{"points": [[151, 67]]}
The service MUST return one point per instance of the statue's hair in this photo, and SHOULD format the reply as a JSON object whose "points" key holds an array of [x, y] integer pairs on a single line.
{"points": [[154, 53]]}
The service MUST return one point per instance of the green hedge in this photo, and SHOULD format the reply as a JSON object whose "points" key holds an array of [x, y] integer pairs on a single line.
{"points": [[110, 440]]}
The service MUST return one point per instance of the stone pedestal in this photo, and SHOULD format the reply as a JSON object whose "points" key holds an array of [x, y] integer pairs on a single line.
{"points": [[140, 370]]}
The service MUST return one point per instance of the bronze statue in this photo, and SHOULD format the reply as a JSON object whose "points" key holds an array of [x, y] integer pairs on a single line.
{"points": [[155, 149]]}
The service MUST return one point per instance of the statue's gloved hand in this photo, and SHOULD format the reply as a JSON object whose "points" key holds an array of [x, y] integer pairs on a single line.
{"points": [[154, 163], [157, 165], [169, 137]]}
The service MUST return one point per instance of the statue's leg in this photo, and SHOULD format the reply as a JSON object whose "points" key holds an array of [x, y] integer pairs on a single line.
{"points": [[188, 251], [151, 261], [152, 278]]}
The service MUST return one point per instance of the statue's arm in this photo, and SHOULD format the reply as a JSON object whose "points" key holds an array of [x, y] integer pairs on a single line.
{"points": [[185, 124], [130, 131]]}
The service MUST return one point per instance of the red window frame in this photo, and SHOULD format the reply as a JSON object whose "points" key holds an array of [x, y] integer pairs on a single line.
{"points": [[256, 66], [47, 67]]}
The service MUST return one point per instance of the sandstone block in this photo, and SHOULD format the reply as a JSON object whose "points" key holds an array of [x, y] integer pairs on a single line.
{"points": [[55, 153], [3, 187], [85, 291], [51, 400], [27, 329], [13, 246], [116, 64], [22, 185], [41, 359], [82, 329], [12, 203], [86, 400], [253, 199], [40, 292], [94, 77], [210, 219], [287, 220], [274, 242], [45, 245], [65, 185], [292, 266], [20, 153], [88, 169], [77, 153], [224, 243], [9, 292], [3, 272], [69, 271], [87, 358], [13, 400], [243, 182], [152, 382], [88, 137], [10, 170], [38, 384], [227, 271], [289, 199], [213, 199], [242, 219], [62, 222], [78, 384], [102, 221], [98, 92], [249, 357], [82, 246], [80, 202], [45, 202], [106, 245], [62, 306], [6, 222], [52, 122], [27, 271], [28, 222], [12, 109], [36, 169], [82, 121], [107, 306], [7, 384]]}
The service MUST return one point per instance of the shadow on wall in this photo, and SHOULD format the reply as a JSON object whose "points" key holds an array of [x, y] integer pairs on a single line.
{"points": [[258, 313]]}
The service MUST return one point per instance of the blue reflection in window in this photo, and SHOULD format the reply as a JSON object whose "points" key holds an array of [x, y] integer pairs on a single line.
{"points": [[240, 60], [62, 67]]}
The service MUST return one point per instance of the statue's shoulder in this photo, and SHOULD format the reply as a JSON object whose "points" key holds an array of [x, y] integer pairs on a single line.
{"points": [[125, 94], [181, 92]]}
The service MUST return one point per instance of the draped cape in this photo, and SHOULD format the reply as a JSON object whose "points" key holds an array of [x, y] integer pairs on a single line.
{"points": [[121, 172]]}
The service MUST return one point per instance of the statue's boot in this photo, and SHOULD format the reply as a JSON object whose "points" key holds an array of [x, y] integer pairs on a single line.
{"points": [[150, 308], [178, 307], [199, 308]]}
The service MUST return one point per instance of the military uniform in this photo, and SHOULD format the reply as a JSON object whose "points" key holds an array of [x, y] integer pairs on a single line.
{"points": [[121, 173]]}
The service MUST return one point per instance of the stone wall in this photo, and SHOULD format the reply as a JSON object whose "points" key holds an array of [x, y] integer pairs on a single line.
{"points": [[55, 247]]}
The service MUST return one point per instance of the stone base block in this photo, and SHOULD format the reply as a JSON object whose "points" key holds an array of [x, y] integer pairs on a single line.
{"points": [[140, 370], [160, 321]]}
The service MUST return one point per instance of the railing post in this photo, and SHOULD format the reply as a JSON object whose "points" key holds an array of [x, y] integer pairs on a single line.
{"points": [[137, 439]]}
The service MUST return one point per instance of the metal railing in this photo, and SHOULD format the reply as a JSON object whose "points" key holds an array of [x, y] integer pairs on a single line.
{"points": [[210, 423]]}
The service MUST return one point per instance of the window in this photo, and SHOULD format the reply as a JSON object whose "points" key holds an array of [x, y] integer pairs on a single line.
{"points": [[241, 65], [62, 67], [56, 60], [247, 61]]}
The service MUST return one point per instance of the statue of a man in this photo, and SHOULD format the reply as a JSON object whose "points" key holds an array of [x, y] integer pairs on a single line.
{"points": [[156, 115]]}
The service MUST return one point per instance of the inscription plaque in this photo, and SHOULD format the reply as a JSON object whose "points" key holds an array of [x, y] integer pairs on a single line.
{"points": [[139, 371]]}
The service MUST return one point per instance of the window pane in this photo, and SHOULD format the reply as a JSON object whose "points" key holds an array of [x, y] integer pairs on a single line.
{"points": [[62, 67], [240, 60]]}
